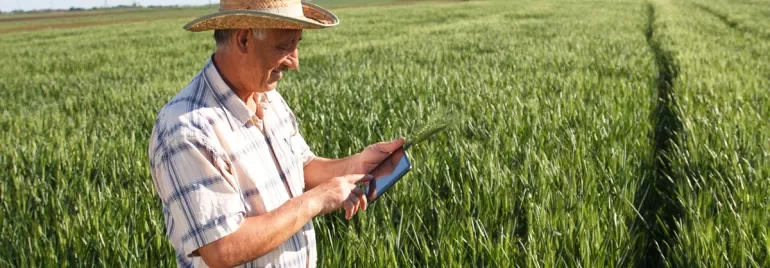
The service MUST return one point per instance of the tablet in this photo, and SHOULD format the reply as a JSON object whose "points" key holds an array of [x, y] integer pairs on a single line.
{"points": [[390, 171]]}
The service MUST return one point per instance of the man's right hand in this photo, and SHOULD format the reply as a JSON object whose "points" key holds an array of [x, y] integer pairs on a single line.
{"points": [[341, 192], [266, 232]]}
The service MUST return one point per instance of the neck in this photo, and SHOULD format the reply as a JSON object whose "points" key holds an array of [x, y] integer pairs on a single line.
{"points": [[226, 67]]}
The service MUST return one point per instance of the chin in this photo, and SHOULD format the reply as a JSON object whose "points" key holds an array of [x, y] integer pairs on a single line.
{"points": [[272, 86], [266, 88]]}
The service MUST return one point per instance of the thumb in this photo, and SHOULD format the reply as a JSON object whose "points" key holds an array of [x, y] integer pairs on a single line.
{"points": [[387, 147]]}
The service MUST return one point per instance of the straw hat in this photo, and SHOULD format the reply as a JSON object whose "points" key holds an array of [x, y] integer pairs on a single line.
{"points": [[246, 14]]}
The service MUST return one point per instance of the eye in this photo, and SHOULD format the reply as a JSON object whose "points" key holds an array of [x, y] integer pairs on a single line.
{"points": [[282, 48]]}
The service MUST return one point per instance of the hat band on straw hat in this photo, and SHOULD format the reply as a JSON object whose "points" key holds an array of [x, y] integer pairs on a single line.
{"points": [[289, 8], [256, 5], [294, 11]]}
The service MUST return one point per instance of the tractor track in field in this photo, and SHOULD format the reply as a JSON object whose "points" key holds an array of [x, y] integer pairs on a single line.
{"points": [[730, 22], [659, 206], [723, 17]]}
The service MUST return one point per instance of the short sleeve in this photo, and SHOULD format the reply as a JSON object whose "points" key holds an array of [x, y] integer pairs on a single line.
{"points": [[198, 193], [302, 149]]}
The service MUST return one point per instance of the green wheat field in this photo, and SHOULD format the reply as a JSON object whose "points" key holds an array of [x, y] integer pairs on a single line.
{"points": [[608, 133]]}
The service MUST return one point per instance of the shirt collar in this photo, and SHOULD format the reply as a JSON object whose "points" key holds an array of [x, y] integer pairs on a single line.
{"points": [[225, 95]]}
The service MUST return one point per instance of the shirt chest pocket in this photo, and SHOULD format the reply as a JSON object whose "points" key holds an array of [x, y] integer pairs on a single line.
{"points": [[292, 157], [288, 154]]}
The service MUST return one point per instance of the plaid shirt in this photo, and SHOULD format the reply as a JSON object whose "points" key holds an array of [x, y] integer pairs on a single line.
{"points": [[213, 166]]}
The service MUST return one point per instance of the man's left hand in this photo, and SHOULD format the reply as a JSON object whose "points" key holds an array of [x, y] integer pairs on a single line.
{"points": [[373, 154]]}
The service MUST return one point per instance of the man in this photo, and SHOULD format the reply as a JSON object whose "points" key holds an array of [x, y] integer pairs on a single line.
{"points": [[238, 183]]}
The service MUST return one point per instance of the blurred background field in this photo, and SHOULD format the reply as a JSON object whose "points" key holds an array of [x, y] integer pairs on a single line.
{"points": [[601, 133]]}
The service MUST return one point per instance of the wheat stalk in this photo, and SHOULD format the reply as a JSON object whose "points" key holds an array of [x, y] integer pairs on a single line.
{"points": [[438, 122]]}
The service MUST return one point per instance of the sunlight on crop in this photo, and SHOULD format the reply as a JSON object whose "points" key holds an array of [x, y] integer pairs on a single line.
{"points": [[569, 120]]}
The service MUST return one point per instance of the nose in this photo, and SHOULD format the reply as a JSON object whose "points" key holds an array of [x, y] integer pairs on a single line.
{"points": [[292, 60]]}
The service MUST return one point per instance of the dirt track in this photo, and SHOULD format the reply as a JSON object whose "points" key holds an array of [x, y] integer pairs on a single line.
{"points": [[67, 14], [83, 24]]}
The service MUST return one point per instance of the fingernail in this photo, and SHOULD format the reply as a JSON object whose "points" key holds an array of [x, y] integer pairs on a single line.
{"points": [[369, 176]]}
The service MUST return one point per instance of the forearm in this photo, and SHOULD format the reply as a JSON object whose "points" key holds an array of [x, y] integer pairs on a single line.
{"points": [[322, 169], [258, 235]]}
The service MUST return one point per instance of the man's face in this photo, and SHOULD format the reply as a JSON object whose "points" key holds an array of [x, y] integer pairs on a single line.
{"points": [[265, 60]]}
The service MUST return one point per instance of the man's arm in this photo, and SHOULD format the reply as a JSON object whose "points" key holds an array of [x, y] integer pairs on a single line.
{"points": [[259, 235], [321, 169]]}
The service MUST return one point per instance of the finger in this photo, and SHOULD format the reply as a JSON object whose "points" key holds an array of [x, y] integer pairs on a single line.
{"points": [[356, 204], [394, 161], [366, 188], [363, 202], [357, 191], [348, 208], [372, 193], [353, 201], [388, 147]]}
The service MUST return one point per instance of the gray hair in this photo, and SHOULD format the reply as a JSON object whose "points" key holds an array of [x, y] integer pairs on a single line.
{"points": [[223, 36]]}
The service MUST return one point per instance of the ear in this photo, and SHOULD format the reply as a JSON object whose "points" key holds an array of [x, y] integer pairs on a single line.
{"points": [[241, 40]]}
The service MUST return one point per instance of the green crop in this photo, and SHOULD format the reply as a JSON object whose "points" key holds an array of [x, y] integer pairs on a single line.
{"points": [[583, 133]]}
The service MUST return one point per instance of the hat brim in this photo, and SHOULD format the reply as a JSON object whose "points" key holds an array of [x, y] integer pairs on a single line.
{"points": [[315, 17]]}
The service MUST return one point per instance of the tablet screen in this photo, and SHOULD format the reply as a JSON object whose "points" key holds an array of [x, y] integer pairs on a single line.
{"points": [[388, 173]]}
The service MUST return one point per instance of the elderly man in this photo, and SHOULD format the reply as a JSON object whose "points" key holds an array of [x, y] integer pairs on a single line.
{"points": [[238, 183]]}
